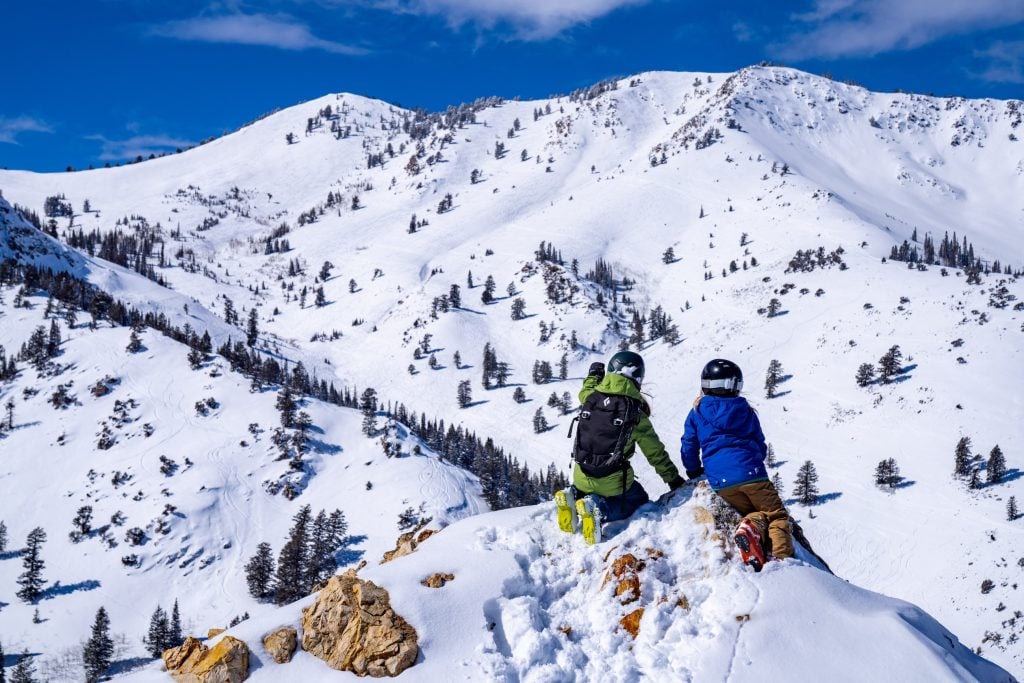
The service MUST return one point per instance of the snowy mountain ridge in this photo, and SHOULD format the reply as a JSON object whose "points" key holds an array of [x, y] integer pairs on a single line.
{"points": [[751, 179]]}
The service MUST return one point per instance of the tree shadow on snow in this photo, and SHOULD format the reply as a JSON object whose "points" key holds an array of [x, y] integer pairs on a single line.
{"points": [[1012, 474], [829, 497], [10, 554], [125, 665], [781, 394], [473, 404], [60, 589], [349, 555], [324, 447]]}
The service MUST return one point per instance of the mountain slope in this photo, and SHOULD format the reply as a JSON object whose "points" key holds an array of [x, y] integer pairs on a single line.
{"points": [[743, 169]]}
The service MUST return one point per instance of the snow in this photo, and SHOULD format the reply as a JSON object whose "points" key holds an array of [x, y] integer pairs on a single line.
{"points": [[850, 183], [529, 603]]}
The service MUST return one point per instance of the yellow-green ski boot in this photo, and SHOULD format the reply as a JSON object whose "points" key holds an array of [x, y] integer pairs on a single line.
{"points": [[566, 504], [590, 520]]}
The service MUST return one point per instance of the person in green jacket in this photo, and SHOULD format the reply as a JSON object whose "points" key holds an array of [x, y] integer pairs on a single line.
{"points": [[597, 497]]}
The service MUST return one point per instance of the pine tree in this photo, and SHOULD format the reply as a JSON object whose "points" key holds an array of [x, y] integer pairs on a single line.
{"points": [[3, 540], [286, 404], [290, 580], [24, 671], [518, 308], [321, 564], [889, 364], [259, 572], [887, 473], [777, 483], [974, 482], [368, 405], [455, 296], [540, 423], [774, 306], [1011, 509], [963, 458], [98, 652], [669, 256], [465, 394], [252, 329], [805, 488], [3, 666], [175, 635], [865, 374], [519, 396], [31, 580], [769, 459], [134, 342], [772, 378], [996, 466], [158, 634]]}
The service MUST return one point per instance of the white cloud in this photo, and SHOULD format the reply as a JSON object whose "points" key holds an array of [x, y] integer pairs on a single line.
{"points": [[11, 128], [1004, 62], [531, 19], [137, 145], [280, 31], [863, 28]]}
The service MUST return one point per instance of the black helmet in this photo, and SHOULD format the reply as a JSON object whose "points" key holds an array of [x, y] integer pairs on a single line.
{"points": [[629, 364], [721, 378]]}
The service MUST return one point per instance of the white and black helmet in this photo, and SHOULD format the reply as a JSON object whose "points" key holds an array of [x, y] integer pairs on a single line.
{"points": [[721, 378]]}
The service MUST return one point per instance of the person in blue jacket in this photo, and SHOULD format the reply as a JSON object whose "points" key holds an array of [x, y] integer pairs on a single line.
{"points": [[723, 439]]}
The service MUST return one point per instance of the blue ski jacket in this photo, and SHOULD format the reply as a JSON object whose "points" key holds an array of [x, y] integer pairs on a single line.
{"points": [[726, 434]]}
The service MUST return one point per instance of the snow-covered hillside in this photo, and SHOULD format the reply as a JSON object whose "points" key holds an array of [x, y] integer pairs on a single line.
{"points": [[734, 172], [528, 603]]}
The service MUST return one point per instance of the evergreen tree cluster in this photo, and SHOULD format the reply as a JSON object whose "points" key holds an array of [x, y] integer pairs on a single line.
{"points": [[164, 631], [806, 261], [887, 474], [307, 559], [135, 250], [542, 373], [493, 370], [506, 483], [546, 253]]}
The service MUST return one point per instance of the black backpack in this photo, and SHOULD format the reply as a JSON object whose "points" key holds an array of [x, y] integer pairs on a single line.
{"points": [[606, 423]]}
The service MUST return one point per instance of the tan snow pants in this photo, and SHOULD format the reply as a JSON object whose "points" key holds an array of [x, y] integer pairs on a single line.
{"points": [[759, 502]]}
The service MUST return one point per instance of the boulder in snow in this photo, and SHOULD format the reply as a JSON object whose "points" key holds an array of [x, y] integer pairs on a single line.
{"points": [[352, 627], [281, 644], [193, 662]]}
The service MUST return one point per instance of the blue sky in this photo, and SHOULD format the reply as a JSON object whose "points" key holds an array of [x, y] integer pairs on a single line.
{"points": [[97, 81]]}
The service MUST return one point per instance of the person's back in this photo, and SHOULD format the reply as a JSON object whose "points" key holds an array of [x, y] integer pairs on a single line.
{"points": [[723, 438], [727, 434], [602, 474]]}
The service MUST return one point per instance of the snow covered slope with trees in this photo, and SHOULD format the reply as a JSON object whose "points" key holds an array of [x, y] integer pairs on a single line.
{"points": [[469, 266]]}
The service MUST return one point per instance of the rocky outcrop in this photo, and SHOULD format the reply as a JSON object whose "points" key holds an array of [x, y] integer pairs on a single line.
{"points": [[214, 632], [281, 644], [407, 543], [437, 580], [193, 662], [353, 627]]}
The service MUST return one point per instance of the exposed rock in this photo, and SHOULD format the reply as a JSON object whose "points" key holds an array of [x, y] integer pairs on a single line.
{"points": [[352, 627], [281, 644], [193, 662], [625, 572], [631, 622], [408, 542], [703, 516], [437, 580], [214, 632]]}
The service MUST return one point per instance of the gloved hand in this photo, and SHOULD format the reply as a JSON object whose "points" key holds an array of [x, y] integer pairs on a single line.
{"points": [[676, 483], [693, 474], [596, 370]]}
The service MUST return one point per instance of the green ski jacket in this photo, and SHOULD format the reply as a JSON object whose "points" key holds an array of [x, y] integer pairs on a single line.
{"points": [[643, 434]]}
